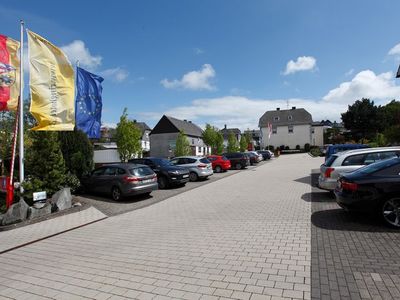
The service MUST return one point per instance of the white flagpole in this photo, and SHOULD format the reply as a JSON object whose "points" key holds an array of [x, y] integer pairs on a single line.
{"points": [[21, 110]]}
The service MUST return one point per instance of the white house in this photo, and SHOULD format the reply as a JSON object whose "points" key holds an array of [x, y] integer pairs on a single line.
{"points": [[290, 127]]}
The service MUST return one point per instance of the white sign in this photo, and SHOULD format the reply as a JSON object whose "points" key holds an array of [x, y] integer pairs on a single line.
{"points": [[39, 196]]}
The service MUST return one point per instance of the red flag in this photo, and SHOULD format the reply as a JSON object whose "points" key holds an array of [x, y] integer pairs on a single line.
{"points": [[9, 73]]}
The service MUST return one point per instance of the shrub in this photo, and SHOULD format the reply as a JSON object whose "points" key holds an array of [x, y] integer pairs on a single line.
{"points": [[287, 148], [315, 151], [307, 147], [297, 147], [281, 147]]}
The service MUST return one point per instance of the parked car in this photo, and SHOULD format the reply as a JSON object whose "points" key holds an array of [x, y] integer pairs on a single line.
{"points": [[265, 154], [332, 149], [238, 160], [167, 174], [375, 187], [254, 158], [258, 156], [121, 180], [199, 167], [349, 161], [219, 163]]}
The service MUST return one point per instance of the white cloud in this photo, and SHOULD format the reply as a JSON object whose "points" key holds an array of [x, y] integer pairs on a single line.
{"points": [[115, 74], [194, 80], [76, 51], [395, 50], [198, 51], [244, 112], [303, 63], [365, 84]]}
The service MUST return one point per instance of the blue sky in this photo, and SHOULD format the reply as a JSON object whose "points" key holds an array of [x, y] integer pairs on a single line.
{"points": [[224, 62]]}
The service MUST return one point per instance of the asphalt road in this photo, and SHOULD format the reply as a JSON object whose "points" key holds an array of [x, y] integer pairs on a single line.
{"points": [[109, 207]]}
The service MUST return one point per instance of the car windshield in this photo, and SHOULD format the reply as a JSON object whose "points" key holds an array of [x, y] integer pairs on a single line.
{"points": [[224, 158], [162, 162], [330, 160], [204, 160], [141, 171], [372, 168]]}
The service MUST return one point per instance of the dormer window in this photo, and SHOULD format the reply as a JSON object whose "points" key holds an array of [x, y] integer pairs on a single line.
{"points": [[290, 118], [276, 119]]}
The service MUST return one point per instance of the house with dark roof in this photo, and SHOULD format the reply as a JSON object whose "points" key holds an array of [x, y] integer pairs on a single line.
{"points": [[227, 131], [145, 140], [290, 127], [164, 135]]}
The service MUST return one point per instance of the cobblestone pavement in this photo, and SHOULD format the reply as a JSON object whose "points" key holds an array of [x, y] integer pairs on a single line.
{"points": [[246, 236], [354, 256], [109, 207]]}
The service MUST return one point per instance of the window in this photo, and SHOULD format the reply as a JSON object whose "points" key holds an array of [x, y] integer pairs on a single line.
{"points": [[121, 171], [371, 158], [354, 160], [312, 130], [290, 118], [110, 171], [290, 129], [276, 119], [204, 160], [190, 160], [192, 141], [387, 154], [141, 171], [98, 172], [274, 130]]}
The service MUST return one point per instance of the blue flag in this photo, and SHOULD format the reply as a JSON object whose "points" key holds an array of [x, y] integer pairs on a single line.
{"points": [[88, 103]]}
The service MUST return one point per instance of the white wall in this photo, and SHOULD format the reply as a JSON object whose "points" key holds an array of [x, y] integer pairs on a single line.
{"points": [[317, 138], [300, 136]]}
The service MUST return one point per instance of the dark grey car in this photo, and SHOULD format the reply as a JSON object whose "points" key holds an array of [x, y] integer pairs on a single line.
{"points": [[121, 180]]}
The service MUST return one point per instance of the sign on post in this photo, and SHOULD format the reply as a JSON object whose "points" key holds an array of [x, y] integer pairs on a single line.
{"points": [[39, 196]]}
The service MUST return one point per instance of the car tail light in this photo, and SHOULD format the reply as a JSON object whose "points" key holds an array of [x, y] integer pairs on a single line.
{"points": [[350, 186], [202, 166], [131, 179], [328, 172]]}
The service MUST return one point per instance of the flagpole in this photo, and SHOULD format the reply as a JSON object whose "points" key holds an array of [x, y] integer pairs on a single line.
{"points": [[21, 110]]}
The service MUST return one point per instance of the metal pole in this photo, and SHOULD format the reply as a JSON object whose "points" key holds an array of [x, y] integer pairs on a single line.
{"points": [[21, 111]]}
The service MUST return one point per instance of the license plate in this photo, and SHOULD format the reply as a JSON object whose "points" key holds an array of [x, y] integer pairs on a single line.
{"points": [[185, 176], [147, 181]]}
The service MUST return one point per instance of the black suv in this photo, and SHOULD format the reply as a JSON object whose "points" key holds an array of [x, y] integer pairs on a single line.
{"points": [[167, 174], [238, 160]]}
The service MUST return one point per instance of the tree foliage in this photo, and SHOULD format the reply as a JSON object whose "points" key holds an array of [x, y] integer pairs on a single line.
{"points": [[128, 137], [243, 143], [232, 143], [77, 151], [219, 144], [182, 145], [45, 166], [363, 118]]}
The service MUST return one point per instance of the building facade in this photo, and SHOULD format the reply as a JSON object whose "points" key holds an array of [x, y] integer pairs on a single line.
{"points": [[164, 135], [290, 128]]}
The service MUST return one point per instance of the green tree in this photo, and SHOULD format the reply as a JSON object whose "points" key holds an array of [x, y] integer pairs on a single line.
{"points": [[209, 135], [392, 134], [182, 145], [77, 151], [243, 143], [232, 143], [219, 144], [7, 121], [128, 137], [45, 166], [363, 118]]}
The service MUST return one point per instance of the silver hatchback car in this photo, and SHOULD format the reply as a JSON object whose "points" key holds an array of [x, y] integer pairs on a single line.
{"points": [[199, 167], [121, 180], [348, 161]]}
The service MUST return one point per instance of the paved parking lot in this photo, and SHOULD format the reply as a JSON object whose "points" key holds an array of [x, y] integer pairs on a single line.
{"points": [[110, 208], [246, 236], [354, 256]]}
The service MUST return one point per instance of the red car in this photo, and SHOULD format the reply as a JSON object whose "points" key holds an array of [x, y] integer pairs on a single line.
{"points": [[219, 163]]}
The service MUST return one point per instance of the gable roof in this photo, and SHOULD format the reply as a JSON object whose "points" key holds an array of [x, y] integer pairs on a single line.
{"points": [[142, 126], [169, 124], [299, 116]]}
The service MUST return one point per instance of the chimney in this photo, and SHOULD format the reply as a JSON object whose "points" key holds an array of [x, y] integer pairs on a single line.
{"points": [[134, 121], [225, 126], [278, 108], [190, 122], [293, 107], [184, 120]]}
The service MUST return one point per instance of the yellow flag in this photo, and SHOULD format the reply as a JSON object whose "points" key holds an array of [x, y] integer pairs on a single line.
{"points": [[52, 85]]}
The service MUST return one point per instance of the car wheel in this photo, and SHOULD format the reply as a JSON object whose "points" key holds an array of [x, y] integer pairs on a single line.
{"points": [[116, 193], [218, 169], [193, 176], [390, 212], [162, 182], [238, 166]]}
